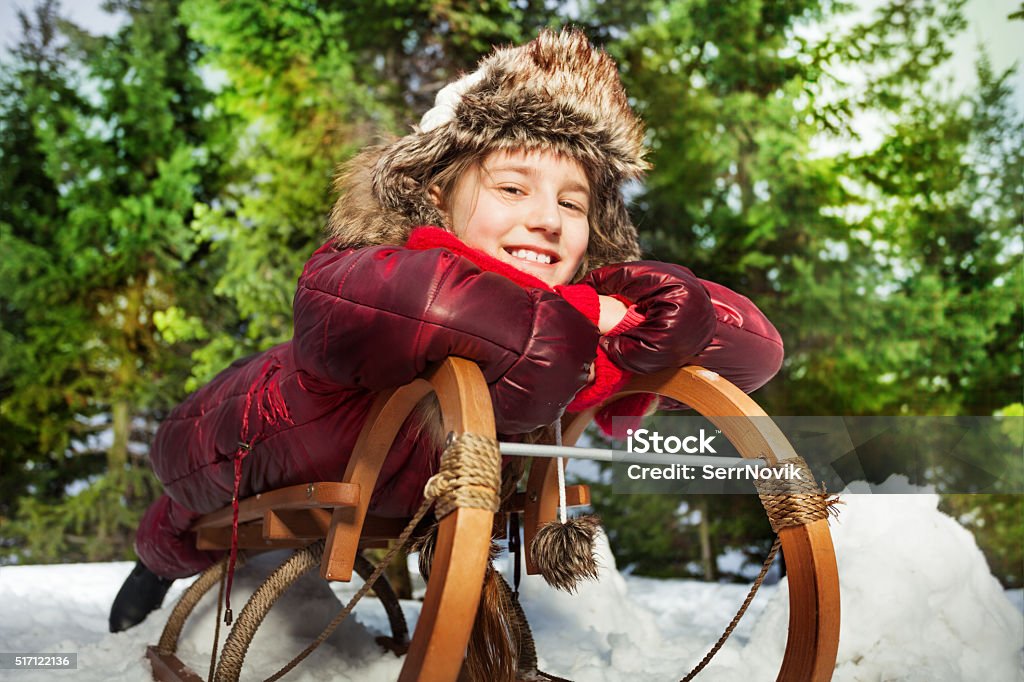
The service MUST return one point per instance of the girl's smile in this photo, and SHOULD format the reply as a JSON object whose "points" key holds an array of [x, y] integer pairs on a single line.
{"points": [[528, 209]]}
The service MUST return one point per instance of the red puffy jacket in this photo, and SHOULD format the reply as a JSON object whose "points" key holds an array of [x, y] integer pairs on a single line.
{"points": [[374, 318]]}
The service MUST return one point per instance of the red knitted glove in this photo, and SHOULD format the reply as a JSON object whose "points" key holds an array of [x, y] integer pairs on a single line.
{"points": [[608, 378]]}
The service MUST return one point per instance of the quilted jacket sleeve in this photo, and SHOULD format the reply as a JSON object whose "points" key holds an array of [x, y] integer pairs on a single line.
{"points": [[746, 348], [376, 317], [679, 318]]}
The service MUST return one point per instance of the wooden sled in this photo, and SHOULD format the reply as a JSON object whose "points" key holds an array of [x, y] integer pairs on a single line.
{"points": [[336, 513]]}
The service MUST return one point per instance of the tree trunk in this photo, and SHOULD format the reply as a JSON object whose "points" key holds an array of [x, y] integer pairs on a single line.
{"points": [[707, 555], [117, 456], [125, 378]]}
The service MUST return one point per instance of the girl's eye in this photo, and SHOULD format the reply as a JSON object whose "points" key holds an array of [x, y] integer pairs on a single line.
{"points": [[511, 190], [574, 206]]}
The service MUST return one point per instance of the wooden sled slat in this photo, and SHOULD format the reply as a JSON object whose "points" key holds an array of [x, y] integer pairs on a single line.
{"points": [[169, 668], [327, 494], [296, 524], [385, 418], [813, 576], [250, 536]]}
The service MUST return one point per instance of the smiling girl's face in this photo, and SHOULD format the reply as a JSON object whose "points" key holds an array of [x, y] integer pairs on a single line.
{"points": [[528, 209]]}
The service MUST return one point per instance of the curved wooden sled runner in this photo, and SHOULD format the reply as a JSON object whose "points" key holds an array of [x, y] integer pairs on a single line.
{"points": [[329, 522]]}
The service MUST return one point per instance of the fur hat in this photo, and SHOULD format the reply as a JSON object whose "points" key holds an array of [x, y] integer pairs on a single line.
{"points": [[556, 93]]}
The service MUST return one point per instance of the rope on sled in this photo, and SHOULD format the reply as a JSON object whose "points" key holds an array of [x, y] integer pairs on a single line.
{"points": [[739, 614], [469, 476], [259, 605], [788, 501], [216, 628], [168, 643], [794, 501]]}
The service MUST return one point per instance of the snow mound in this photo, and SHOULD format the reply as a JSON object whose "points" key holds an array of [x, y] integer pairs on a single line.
{"points": [[917, 599]]}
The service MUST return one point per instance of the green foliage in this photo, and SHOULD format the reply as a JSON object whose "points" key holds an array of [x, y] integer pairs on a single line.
{"points": [[113, 143], [997, 522], [98, 523]]}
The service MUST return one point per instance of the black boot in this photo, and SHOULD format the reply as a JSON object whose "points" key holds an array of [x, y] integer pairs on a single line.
{"points": [[143, 591]]}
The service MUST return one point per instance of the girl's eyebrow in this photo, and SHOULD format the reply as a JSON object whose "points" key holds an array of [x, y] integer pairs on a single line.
{"points": [[530, 171]]}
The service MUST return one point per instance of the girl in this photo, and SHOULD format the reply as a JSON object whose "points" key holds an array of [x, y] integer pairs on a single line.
{"points": [[496, 231]]}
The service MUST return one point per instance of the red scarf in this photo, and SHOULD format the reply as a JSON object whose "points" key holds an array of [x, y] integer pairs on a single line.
{"points": [[609, 378]]}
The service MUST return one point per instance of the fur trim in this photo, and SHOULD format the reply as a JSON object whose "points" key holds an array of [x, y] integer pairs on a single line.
{"points": [[358, 219], [492, 652], [556, 93], [564, 552]]}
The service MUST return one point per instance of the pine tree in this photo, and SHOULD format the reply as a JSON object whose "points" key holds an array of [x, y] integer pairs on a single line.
{"points": [[33, 84], [123, 164]]}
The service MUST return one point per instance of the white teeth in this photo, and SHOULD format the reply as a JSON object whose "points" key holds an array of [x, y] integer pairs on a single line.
{"points": [[526, 254]]}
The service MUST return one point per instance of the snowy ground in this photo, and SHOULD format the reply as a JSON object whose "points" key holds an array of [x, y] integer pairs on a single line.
{"points": [[918, 603]]}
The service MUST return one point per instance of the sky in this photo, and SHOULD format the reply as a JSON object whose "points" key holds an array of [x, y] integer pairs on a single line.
{"points": [[988, 27], [1001, 38]]}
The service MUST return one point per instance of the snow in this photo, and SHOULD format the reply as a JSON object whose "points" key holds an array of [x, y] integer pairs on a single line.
{"points": [[918, 603]]}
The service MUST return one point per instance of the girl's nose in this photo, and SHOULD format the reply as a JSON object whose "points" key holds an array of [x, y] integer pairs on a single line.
{"points": [[544, 215]]}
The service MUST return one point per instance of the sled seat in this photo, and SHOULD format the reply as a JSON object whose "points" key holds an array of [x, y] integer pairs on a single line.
{"points": [[295, 516], [337, 513]]}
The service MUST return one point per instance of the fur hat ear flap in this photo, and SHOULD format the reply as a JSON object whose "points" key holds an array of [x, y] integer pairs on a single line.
{"points": [[401, 176], [357, 218]]}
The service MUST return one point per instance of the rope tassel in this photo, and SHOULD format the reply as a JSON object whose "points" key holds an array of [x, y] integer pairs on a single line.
{"points": [[563, 550]]}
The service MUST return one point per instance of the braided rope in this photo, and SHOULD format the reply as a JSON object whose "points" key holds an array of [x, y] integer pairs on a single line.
{"points": [[469, 476], [259, 604], [793, 501], [216, 628], [739, 614], [168, 643], [368, 584]]}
